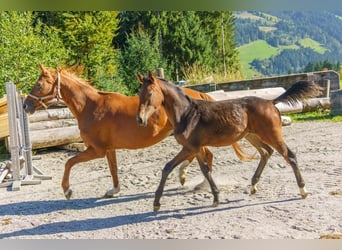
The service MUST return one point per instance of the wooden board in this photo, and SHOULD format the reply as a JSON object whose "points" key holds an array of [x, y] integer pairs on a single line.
{"points": [[3, 105], [4, 130]]}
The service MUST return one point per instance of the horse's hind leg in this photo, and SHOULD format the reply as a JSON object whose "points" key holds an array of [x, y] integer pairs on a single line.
{"points": [[291, 158], [183, 170], [113, 167], [265, 153], [87, 155]]}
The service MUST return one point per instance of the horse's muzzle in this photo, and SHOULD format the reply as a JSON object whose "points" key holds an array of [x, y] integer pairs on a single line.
{"points": [[28, 107], [141, 121]]}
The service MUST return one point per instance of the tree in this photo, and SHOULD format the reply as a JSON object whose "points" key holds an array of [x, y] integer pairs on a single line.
{"points": [[140, 55], [220, 26], [186, 38], [24, 46], [89, 35]]}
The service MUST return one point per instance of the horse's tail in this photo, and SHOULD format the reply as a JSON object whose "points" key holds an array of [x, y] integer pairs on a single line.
{"points": [[206, 97], [242, 156], [299, 91]]}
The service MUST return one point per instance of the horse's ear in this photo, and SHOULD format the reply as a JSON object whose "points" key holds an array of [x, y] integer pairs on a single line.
{"points": [[151, 76], [140, 78], [43, 70]]}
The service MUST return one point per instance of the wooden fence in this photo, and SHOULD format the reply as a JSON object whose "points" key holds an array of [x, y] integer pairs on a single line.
{"points": [[285, 81]]}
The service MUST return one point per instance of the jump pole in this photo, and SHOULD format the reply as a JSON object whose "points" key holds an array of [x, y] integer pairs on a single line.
{"points": [[20, 144], [14, 139]]}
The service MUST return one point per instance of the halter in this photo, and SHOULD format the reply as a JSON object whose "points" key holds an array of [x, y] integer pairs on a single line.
{"points": [[58, 95]]}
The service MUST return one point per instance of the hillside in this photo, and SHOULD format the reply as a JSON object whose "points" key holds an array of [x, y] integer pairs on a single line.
{"points": [[282, 42]]}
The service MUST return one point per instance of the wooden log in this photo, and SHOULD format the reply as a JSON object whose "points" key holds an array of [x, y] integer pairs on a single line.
{"points": [[54, 137], [4, 129], [42, 125], [311, 104], [50, 114], [269, 93]]}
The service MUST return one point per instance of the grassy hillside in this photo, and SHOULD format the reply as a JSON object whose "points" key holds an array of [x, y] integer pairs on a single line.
{"points": [[309, 43], [258, 49], [286, 41]]}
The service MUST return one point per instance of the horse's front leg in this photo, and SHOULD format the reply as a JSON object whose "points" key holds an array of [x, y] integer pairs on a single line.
{"points": [[183, 169], [205, 162], [87, 155], [111, 159], [180, 157]]}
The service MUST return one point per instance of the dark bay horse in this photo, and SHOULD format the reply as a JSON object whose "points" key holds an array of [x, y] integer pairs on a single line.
{"points": [[199, 123], [106, 120]]}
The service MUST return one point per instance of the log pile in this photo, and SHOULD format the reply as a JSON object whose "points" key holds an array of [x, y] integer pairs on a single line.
{"points": [[48, 128], [53, 127]]}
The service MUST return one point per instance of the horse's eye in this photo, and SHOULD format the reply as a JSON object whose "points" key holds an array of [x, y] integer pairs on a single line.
{"points": [[39, 86]]}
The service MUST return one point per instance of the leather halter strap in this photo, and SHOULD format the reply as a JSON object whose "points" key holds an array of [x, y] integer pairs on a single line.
{"points": [[58, 95]]}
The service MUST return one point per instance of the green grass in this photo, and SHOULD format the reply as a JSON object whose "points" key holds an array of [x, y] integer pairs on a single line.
{"points": [[309, 43], [325, 116], [258, 49]]}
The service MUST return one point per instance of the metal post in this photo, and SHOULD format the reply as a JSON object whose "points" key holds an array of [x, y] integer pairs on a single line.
{"points": [[160, 72], [27, 147], [14, 140], [328, 87]]}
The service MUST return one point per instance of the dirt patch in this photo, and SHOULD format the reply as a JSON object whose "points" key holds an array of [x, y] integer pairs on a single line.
{"points": [[276, 211]]}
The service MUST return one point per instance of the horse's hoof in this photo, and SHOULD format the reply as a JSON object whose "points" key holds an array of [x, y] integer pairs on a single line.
{"points": [[156, 208], [110, 193], [215, 204], [253, 190], [182, 181], [68, 193], [303, 192]]}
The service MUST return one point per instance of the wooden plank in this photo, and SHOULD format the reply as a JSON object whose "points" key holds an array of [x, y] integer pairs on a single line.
{"points": [[3, 105], [3, 174], [4, 129]]}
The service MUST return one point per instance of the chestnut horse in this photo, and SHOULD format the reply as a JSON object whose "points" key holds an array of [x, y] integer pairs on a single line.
{"points": [[106, 120], [199, 123]]}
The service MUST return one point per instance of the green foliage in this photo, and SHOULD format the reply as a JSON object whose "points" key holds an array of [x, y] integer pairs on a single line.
{"points": [[321, 65], [140, 55], [89, 36], [112, 47], [23, 46], [186, 38]]}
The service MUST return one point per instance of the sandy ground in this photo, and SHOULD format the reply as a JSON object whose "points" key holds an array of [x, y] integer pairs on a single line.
{"points": [[276, 211]]}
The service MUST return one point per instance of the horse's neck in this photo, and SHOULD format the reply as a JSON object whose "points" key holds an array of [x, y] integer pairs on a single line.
{"points": [[176, 105], [74, 94]]}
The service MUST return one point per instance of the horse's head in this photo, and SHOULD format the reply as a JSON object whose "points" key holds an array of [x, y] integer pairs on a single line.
{"points": [[150, 97], [46, 88]]}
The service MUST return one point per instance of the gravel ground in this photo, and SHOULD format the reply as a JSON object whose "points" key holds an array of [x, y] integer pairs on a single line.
{"points": [[276, 211]]}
